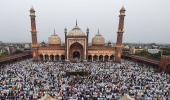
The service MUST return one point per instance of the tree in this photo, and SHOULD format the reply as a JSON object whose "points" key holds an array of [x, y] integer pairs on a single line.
{"points": [[18, 51], [3, 54], [146, 54]]}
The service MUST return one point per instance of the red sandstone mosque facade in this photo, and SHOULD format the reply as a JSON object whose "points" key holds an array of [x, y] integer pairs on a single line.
{"points": [[77, 45]]}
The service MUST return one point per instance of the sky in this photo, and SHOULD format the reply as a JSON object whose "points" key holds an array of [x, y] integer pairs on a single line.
{"points": [[146, 21]]}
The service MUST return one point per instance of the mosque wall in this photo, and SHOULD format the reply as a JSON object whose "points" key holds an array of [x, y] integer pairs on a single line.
{"points": [[101, 52]]}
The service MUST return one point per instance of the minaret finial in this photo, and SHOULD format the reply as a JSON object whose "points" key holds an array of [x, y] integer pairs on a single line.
{"points": [[32, 8], [123, 8]]}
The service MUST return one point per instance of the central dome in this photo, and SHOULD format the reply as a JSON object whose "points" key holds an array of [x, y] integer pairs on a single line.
{"points": [[76, 31]]}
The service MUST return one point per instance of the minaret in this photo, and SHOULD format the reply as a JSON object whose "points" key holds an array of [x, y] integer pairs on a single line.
{"points": [[65, 32], [34, 35], [87, 32], [87, 42], [118, 47]]}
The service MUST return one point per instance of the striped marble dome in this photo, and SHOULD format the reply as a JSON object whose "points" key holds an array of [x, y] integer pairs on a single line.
{"points": [[98, 39], [54, 39], [76, 31]]}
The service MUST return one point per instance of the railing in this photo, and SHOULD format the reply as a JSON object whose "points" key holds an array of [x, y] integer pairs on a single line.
{"points": [[165, 57]]}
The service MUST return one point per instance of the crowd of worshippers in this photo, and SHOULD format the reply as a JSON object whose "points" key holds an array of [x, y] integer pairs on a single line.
{"points": [[27, 80]]}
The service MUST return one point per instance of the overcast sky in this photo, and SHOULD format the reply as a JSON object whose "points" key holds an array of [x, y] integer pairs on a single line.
{"points": [[146, 21]]}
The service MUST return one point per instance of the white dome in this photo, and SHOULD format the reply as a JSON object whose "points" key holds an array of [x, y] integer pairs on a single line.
{"points": [[76, 31], [54, 40], [98, 40]]}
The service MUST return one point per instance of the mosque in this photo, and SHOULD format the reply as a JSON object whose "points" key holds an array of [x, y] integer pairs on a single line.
{"points": [[77, 46]]}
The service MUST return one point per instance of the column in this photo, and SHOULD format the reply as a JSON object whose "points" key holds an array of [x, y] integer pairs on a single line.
{"points": [[54, 58], [97, 58], [49, 58], [59, 57]]}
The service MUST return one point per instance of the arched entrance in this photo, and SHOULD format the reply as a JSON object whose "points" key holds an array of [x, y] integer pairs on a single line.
{"points": [[95, 58], [52, 57], [76, 55], [106, 58], [101, 58], [76, 52], [62, 58], [111, 57], [89, 57], [46, 57], [57, 57], [41, 57]]}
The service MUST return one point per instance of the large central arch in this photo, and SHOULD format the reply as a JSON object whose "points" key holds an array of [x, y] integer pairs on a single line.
{"points": [[76, 52]]}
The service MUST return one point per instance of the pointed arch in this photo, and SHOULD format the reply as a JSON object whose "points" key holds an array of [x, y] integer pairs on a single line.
{"points": [[106, 58], [101, 58], [95, 58], [90, 58]]}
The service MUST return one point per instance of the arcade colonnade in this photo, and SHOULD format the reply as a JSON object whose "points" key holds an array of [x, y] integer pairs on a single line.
{"points": [[51, 57], [90, 58], [100, 58]]}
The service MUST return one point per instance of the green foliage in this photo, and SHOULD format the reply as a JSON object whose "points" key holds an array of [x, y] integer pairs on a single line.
{"points": [[146, 54], [156, 56], [4, 54], [18, 51], [142, 53]]}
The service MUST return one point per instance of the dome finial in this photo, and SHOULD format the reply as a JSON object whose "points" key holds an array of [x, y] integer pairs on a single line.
{"points": [[54, 32], [76, 22], [98, 32]]}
